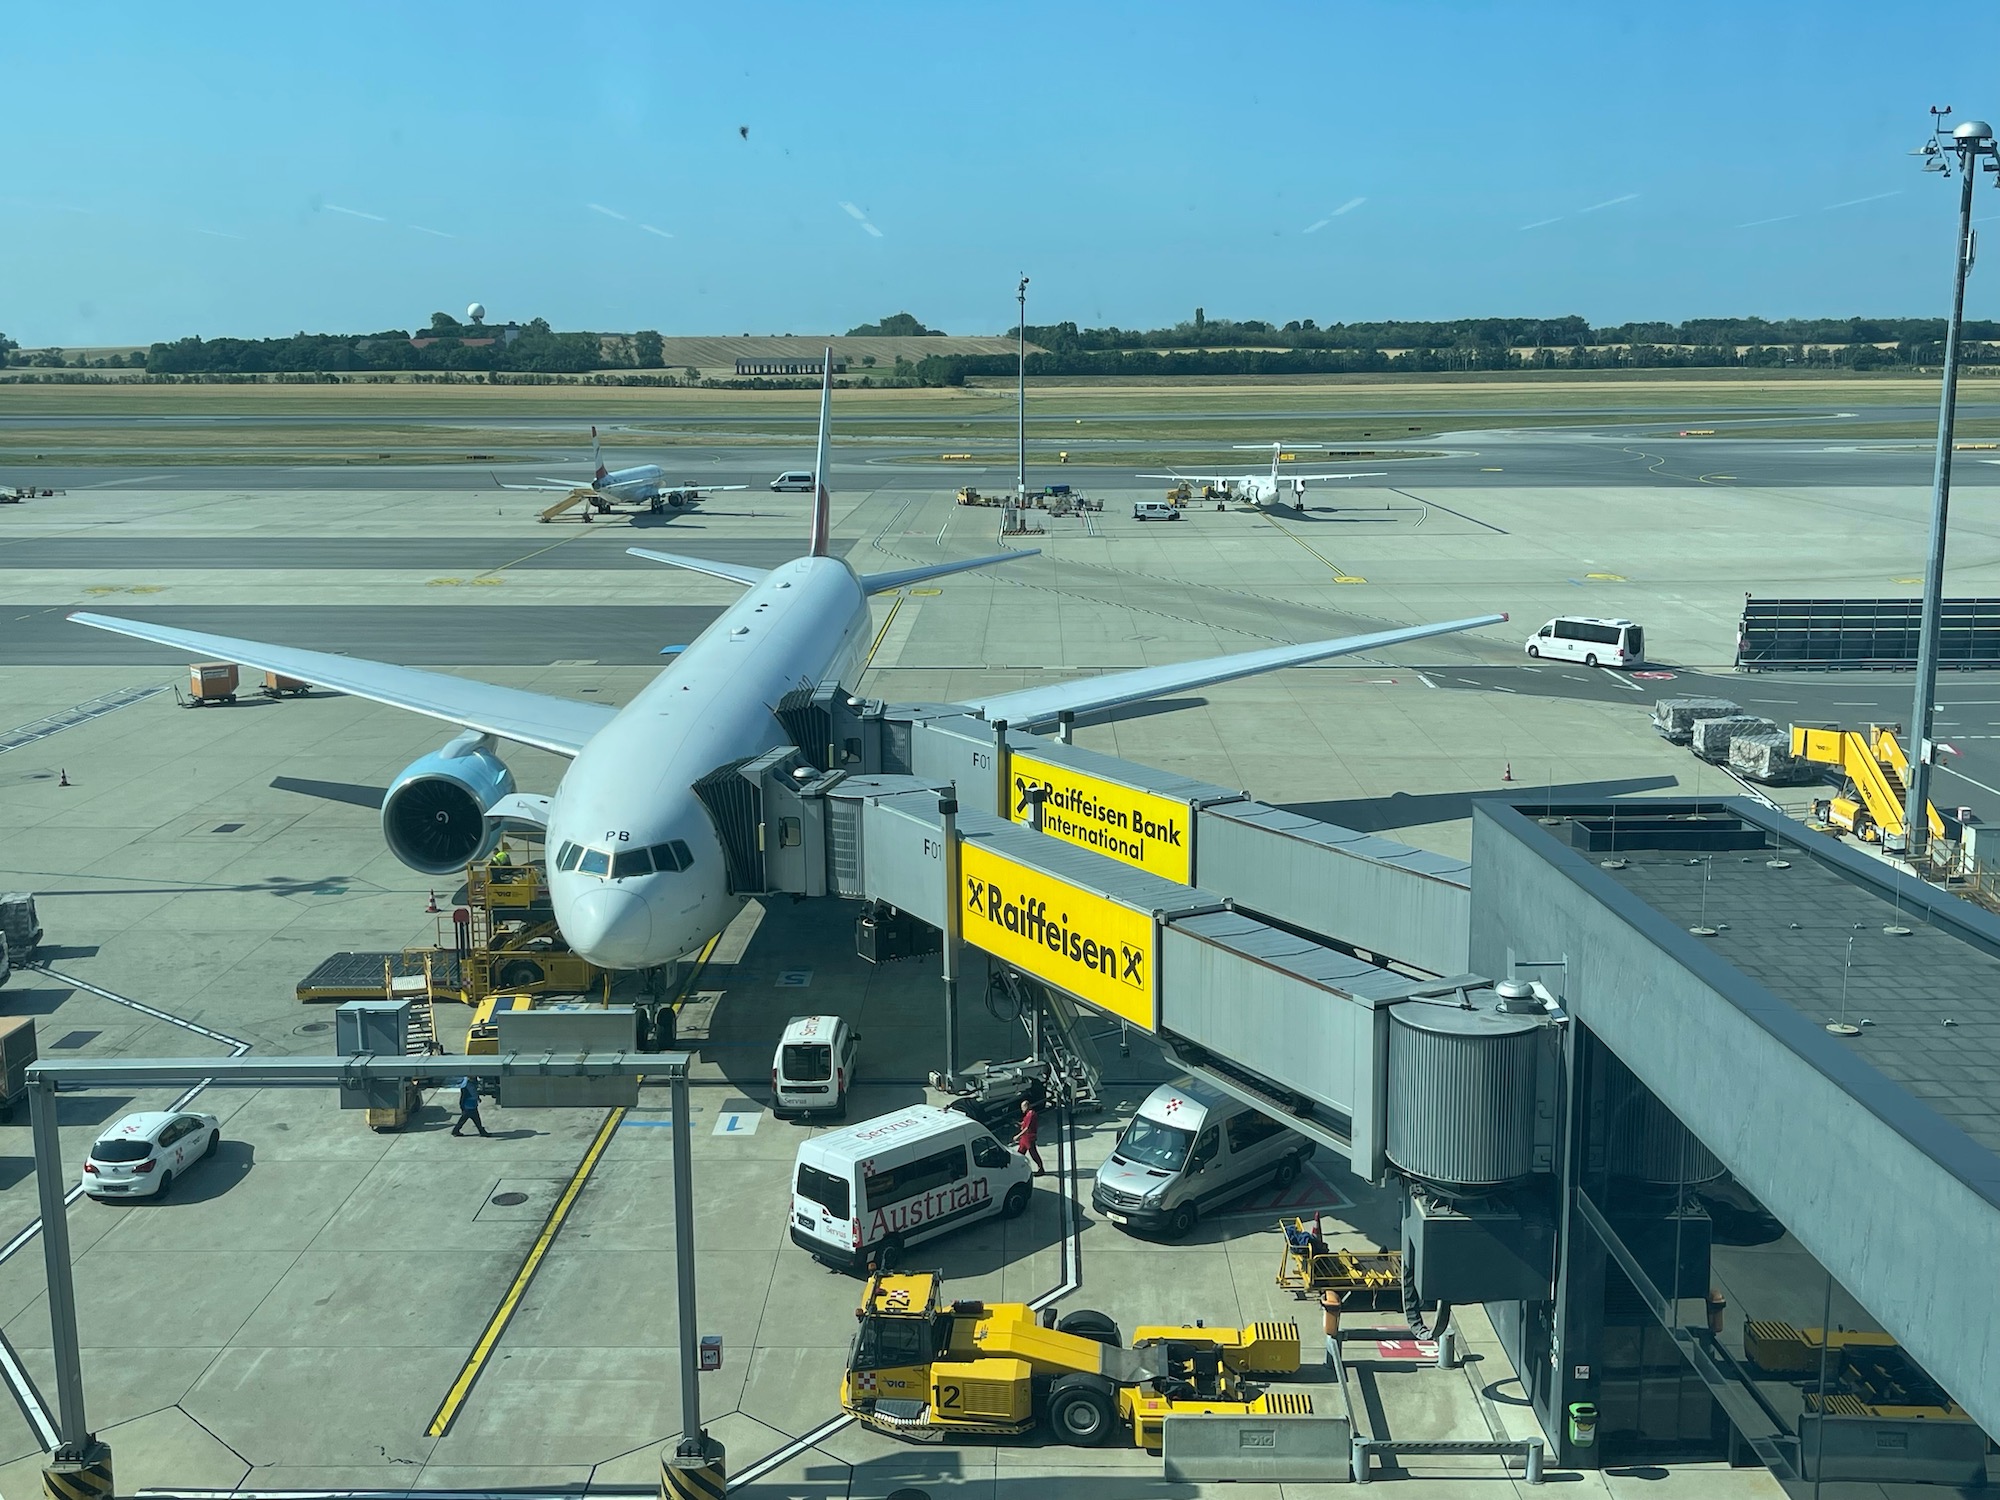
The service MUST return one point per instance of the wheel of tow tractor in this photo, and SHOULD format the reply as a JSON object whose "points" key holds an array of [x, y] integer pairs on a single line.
{"points": [[1181, 1225], [1534, 651], [1080, 1409], [1016, 1202], [1590, 659], [518, 974], [1288, 1171], [1089, 1323]]}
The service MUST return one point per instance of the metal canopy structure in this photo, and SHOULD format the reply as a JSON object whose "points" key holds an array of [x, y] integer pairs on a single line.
{"points": [[78, 1443]]}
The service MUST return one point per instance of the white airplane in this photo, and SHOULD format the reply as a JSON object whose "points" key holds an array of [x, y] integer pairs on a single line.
{"points": [[1264, 489], [639, 877], [642, 484]]}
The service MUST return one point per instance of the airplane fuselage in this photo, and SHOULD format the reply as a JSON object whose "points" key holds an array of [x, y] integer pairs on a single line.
{"points": [[630, 788], [641, 482]]}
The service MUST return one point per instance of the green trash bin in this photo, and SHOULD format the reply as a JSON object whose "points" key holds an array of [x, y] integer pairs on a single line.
{"points": [[1582, 1424]]}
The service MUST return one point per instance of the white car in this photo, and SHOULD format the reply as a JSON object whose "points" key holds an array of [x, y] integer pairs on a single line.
{"points": [[142, 1154]]}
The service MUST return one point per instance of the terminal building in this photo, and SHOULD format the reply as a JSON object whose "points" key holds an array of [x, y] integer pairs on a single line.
{"points": [[1697, 1102]]}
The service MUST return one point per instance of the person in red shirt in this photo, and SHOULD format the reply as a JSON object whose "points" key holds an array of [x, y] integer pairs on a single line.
{"points": [[1031, 1120]]}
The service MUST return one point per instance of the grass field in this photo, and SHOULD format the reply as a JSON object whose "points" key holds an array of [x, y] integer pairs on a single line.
{"points": [[1104, 420]]}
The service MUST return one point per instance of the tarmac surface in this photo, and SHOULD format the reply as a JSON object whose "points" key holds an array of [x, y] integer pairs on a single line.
{"points": [[294, 1318], [1598, 449]]}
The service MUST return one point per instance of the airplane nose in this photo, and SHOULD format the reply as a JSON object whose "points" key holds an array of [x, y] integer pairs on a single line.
{"points": [[612, 928]]}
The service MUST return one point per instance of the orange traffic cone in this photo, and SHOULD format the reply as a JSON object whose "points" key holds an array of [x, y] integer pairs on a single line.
{"points": [[65, 779], [1508, 774], [434, 902]]}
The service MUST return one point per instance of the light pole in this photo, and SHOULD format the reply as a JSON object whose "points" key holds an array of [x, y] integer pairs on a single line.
{"points": [[1971, 147], [1021, 473]]}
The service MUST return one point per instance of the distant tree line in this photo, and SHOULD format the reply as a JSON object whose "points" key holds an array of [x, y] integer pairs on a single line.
{"points": [[1199, 346]]}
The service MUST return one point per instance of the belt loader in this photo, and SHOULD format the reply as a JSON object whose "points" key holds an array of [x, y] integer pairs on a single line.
{"points": [[925, 1369]]}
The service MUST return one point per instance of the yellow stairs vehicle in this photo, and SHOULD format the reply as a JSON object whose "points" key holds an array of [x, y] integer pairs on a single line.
{"points": [[926, 1370], [1870, 804]]}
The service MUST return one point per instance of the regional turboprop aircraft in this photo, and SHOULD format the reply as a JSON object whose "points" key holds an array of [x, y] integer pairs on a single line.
{"points": [[1264, 489], [639, 877], [642, 484]]}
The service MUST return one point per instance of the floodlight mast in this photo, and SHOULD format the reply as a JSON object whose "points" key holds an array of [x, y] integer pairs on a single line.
{"points": [[1971, 147], [1021, 473]]}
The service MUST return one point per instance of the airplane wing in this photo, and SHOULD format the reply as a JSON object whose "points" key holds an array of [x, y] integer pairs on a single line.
{"points": [[1321, 478], [1088, 694], [1197, 478], [547, 723], [709, 489], [553, 484]]}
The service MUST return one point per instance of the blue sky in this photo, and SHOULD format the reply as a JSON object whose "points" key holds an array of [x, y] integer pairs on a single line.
{"points": [[256, 170]]}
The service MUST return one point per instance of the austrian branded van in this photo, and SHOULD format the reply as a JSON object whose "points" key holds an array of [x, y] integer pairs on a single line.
{"points": [[865, 1192], [1191, 1148], [814, 1066]]}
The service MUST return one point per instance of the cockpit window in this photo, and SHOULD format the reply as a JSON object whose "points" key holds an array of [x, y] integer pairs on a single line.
{"points": [[629, 862], [570, 854], [683, 854], [670, 857], [595, 862]]}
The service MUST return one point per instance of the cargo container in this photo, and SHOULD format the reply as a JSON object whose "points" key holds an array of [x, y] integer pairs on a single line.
{"points": [[1675, 718], [277, 685], [17, 1050], [212, 682], [1710, 737]]}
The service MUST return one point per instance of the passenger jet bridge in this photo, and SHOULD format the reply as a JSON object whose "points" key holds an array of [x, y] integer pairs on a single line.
{"points": [[1261, 948]]}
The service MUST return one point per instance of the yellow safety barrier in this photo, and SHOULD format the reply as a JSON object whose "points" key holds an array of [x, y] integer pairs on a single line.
{"points": [[87, 1478], [694, 1477]]}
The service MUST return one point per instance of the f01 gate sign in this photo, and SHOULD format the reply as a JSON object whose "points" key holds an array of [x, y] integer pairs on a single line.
{"points": [[1097, 949], [1141, 828]]}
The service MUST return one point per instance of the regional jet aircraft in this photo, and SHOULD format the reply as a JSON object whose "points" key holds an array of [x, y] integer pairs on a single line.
{"points": [[639, 877], [1264, 489], [642, 484]]}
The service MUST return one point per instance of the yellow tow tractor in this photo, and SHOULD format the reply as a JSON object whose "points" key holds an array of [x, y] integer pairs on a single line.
{"points": [[926, 1370]]}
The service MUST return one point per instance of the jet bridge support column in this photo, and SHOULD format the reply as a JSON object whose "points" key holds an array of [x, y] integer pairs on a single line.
{"points": [[948, 811]]}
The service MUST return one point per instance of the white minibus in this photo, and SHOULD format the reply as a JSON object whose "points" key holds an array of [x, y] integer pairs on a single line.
{"points": [[1595, 643]]}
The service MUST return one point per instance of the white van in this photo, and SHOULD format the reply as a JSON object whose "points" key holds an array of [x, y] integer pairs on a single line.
{"points": [[865, 1192], [1191, 1147], [794, 479], [1607, 643], [1154, 510], [814, 1066]]}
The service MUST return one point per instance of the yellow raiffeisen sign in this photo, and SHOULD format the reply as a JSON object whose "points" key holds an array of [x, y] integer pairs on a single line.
{"points": [[1093, 947], [1140, 828]]}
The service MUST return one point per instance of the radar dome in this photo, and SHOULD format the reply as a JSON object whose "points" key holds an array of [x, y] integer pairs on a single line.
{"points": [[477, 312]]}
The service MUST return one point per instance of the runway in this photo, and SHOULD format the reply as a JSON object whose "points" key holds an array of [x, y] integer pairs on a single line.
{"points": [[1539, 458], [597, 551]]}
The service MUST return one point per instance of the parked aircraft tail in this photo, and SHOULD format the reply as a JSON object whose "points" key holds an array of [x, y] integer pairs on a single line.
{"points": [[596, 458]]}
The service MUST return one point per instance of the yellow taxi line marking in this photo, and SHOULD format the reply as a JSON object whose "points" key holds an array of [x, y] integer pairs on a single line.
{"points": [[504, 1314], [894, 605], [575, 536], [1340, 574], [489, 1340]]}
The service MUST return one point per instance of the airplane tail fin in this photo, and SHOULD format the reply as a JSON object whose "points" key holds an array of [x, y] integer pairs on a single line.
{"points": [[596, 457], [822, 517], [1277, 451]]}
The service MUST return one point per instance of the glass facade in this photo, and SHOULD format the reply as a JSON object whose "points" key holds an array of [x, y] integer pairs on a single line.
{"points": [[1694, 1326]]}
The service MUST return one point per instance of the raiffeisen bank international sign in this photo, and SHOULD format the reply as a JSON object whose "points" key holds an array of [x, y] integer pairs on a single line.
{"points": [[1125, 823], [1098, 949]]}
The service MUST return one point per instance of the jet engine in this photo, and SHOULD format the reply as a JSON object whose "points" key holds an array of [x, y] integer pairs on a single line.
{"points": [[434, 817]]}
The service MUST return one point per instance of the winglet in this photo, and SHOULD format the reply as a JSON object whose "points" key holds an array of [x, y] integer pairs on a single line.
{"points": [[822, 518]]}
